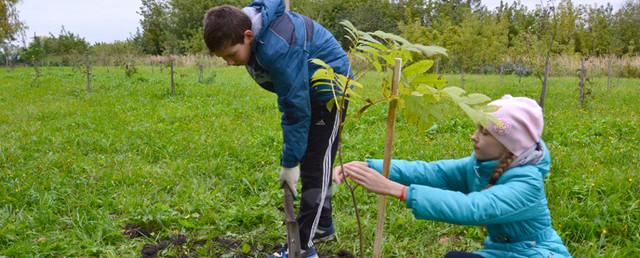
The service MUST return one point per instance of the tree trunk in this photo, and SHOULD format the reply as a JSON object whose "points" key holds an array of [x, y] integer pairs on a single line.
{"points": [[619, 73], [201, 74], [582, 77], [173, 85], [36, 67], [501, 75], [543, 93], [89, 73], [462, 76], [7, 57], [437, 70], [609, 73]]}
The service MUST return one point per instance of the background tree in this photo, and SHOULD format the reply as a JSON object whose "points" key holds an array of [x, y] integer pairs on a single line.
{"points": [[154, 23], [627, 28], [10, 27]]}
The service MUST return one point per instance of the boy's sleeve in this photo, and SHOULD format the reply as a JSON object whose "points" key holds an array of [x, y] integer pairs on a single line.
{"points": [[443, 174], [289, 72], [520, 198]]}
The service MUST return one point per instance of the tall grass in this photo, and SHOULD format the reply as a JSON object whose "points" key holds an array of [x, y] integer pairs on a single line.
{"points": [[130, 168]]}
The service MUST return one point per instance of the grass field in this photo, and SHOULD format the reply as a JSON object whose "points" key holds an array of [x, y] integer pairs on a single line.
{"points": [[131, 169]]}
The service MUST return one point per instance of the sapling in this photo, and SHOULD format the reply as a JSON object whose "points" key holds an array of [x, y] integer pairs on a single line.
{"points": [[417, 90]]}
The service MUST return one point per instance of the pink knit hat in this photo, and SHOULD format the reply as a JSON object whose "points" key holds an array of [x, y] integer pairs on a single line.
{"points": [[522, 123]]}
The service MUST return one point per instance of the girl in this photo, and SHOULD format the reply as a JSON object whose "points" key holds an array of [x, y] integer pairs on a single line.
{"points": [[501, 185]]}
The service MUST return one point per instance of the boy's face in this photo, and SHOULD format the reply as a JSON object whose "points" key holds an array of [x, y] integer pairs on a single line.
{"points": [[237, 54], [486, 146]]}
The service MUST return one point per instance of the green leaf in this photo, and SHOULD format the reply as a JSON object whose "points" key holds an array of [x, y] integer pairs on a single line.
{"points": [[430, 51], [369, 103], [390, 36], [348, 26], [386, 88], [330, 105], [321, 74], [433, 80], [389, 59], [429, 94], [405, 88], [454, 92], [480, 117], [355, 83], [476, 99], [378, 46], [320, 63], [417, 94], [417, 68], [415, 111], [367, 37], [487, 108], [367, 49], [411, 48], [352, 93], [377, 65], [322, 83]]}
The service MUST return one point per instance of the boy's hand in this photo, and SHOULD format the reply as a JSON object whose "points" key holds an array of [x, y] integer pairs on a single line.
{"points": [[289, 177]]}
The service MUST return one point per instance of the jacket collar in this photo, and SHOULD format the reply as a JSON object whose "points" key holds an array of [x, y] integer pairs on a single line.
{"points": [[484, 168]]}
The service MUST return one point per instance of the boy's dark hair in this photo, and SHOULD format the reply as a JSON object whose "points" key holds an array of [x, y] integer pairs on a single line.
{"points": [[224, 26]]}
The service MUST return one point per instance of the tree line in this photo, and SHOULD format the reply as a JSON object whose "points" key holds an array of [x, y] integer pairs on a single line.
{"points": [[508, 38]]}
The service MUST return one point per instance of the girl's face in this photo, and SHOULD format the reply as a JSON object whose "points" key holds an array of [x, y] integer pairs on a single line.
{"points": [[485, 146]]}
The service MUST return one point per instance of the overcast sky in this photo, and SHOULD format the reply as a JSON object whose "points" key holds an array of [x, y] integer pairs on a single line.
{"points": [[111, 20], [94, 20]]}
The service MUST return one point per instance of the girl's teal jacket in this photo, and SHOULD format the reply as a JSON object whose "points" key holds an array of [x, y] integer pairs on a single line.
{"points": [[514, 210]]}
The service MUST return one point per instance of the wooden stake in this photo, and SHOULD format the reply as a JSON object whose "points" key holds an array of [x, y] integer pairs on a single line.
{"points": [[388, 147]]}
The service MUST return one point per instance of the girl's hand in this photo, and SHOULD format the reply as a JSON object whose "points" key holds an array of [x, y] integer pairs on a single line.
{"points": [[339, 175], [369, 178]]}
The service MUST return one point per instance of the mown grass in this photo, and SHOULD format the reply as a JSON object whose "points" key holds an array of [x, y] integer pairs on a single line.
{"points": [[131, 168]]}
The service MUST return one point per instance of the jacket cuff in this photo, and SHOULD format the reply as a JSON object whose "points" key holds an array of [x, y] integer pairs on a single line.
{"points": [[289, 164], [293, 169], [288, 160], [409, 198], [375, 164]]}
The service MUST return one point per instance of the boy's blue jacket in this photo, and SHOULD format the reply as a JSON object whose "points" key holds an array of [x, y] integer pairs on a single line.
{"points": [[279, 62], [514, 209]]}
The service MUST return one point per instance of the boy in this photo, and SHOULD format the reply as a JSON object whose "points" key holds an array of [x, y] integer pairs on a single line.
{"points": [[275, 46]]}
